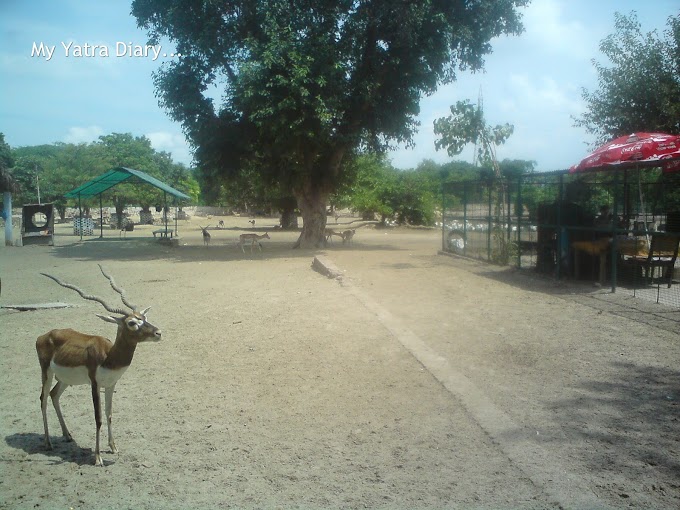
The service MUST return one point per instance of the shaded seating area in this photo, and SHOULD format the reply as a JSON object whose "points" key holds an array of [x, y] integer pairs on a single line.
{"points": [[98, 185], [661, 256]]}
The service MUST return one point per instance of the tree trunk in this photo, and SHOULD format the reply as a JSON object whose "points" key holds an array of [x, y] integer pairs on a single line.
{"points": [[312, 204], [7, 214], [120, 207], [289, 219], [286, 207], [312, 198]]}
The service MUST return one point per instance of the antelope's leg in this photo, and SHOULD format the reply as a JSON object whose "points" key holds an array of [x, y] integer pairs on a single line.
{"points": [[98, 421], [46, 381], [108, 405], [56, 395]]}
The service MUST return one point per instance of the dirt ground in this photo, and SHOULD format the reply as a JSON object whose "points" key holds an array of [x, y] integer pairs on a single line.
{"points": [[415, 380]]}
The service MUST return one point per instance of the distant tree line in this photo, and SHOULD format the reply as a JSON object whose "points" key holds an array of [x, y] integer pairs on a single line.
{"points": [[55, 169]]}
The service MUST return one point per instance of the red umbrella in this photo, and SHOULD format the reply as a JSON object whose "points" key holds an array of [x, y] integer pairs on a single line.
{"points": [[632, 150]]}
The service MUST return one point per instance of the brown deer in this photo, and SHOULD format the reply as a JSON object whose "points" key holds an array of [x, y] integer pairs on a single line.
{"points": [[206, 236], [77, 358], [253, 238], [329, 233]]}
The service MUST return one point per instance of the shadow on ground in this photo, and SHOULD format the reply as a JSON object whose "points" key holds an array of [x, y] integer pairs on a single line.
{"points": [[63, 451], [149, 249], [635, 414], [602, 299]]}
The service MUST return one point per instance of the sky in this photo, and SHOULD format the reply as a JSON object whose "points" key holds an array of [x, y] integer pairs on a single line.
{"points": [[98, 80]]}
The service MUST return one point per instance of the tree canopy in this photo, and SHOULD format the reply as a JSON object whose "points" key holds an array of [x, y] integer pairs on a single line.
{"points": [[639, 86], [305, 84], [7, 183], [466, 125], [61, 167]]}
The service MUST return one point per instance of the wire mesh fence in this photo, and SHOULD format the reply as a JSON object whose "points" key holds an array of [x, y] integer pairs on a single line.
{"points": [[619, 228]]}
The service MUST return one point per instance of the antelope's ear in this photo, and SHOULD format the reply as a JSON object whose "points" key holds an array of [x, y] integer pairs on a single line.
{"points": [[107, 318], [143, 312]]}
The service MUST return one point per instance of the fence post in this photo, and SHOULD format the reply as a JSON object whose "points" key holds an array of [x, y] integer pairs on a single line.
{"points": [[443, 216], [558, 231], [488, 230], [505, 185], [518, 212], [465, 202], [614, 226]]}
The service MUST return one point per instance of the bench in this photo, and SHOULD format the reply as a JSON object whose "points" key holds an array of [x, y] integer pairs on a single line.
{"points": [[164, 233]]}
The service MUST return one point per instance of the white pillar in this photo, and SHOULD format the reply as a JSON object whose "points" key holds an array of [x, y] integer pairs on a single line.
{"points": [[7, 213]]}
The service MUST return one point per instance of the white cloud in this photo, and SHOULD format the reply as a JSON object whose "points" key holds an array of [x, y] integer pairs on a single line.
{"points": [[547, 27], [174, 143], [83, 134], [544, 94]]}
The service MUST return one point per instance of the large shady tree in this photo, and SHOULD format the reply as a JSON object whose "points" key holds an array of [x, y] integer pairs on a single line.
{"points": [[638, 83], [304, 84]]}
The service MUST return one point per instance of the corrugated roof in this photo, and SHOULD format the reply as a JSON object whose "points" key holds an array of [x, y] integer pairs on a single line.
{"points": [[116, 176]]}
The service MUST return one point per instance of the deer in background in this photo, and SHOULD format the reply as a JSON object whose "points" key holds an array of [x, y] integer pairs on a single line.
{"points": [[77, 358], [206, 236], [329, 233], [253, 238], [348, 236]]}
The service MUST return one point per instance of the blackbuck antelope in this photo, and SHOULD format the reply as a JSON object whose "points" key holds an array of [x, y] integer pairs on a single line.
{"points": [[206, 236], [78, 358], [348, 236], [329, 233], [253, 238]]}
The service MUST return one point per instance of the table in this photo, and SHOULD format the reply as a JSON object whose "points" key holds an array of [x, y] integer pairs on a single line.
{"points": [[633, 247], [598, 248], [164, 233]]}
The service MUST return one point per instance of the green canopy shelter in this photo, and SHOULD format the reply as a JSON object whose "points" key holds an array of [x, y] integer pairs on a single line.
{"points": [[115, 176]]}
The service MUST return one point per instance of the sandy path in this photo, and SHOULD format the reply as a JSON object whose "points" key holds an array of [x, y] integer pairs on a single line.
{"points": [[276, 387], [599, 392]]}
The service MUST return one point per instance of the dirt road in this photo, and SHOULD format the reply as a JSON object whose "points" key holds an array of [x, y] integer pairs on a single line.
{"points": [[275, 387]]}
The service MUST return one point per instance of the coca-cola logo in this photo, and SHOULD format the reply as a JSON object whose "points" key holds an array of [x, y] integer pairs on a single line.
{"points": [[634, 148]]}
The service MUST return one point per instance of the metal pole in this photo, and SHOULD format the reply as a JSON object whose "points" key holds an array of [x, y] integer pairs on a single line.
{"points": [[80, 208], [443, 216], [465, 202], [165, 211], [505, 201], [101, 218], [488, 229], [519, 212], [559, 235], [614, 226], [37, 181]]}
